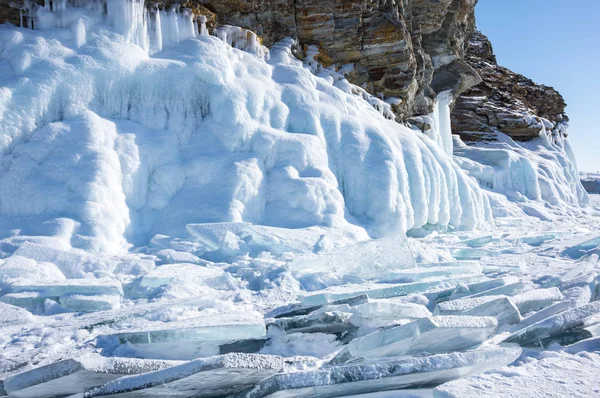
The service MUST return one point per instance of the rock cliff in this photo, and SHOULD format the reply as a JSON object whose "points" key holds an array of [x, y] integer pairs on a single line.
{"points": [[403, 49]]}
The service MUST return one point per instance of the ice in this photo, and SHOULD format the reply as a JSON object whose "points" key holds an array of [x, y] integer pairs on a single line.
{"points": [[297, 309], [581, 247], [368, 260], [589, 345], [503, 309], [51, 289], [536, 240], [391, 374], [459, 306], [478, 242], [473, 253], [322, 321], [242, 39], [31, 301], [21, 267], [90, 303], [441, 131], [486, 287], [538, 299], [11, 315], [430, 273], [555, 325], [208, 377], [148, 127], [170, 256], [373, 291], [508, 289], [73, 376], [544, 314], [426, 335], [381, 313], [187, 339]]}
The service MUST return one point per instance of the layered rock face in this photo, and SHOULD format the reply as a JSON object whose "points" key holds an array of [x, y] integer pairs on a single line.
{"points": [[504, 101]]}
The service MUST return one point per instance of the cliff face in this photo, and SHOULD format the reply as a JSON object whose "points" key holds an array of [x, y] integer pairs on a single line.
{"points": [[504, 101], [407, 49]]}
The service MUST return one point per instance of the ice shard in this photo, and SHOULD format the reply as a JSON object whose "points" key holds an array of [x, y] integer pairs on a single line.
{"points": [[11, 315], [554, 326], [390, 374], [459, 306], [298, 309], [219, 376], [90, 303], [503, 309], [322, 321], [538, 299], [427, 335], [73, 376], [187, 339], [69, 286]]}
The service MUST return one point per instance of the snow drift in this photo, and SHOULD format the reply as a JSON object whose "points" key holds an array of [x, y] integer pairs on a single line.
{"points": [[120, 138]]}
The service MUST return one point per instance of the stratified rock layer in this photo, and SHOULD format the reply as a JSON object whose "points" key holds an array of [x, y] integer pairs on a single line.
{"points": [[504, 101]]}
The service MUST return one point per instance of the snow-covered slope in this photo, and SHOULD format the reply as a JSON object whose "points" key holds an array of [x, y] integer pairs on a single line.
{"points": [[129, 145]]}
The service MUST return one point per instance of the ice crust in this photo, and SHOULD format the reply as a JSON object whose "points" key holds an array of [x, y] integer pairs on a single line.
{"points": [[391, 374], [12, 315], [208, 377], [72, 376]]}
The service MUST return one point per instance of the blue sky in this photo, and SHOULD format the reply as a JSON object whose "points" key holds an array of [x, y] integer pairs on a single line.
{"points": [[556, 43]]}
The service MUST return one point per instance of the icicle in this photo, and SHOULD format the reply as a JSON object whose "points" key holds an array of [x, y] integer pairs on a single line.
{"points": [[203, 30]]}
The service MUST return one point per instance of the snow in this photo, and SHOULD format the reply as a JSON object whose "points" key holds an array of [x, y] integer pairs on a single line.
{"points": [[553, 375], [11, 315]]}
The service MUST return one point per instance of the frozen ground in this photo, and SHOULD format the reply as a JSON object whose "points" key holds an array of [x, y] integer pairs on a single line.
{"points": [[168, 197]]}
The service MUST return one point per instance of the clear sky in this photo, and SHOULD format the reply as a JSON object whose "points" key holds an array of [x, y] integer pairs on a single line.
{"points": [[556, 43]]}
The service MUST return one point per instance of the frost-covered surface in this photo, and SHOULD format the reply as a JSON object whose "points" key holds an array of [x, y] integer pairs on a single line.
{"points": [[164, 192]]}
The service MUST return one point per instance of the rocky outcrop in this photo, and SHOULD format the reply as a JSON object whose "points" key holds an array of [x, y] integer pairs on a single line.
{"points": [[504, 101]]}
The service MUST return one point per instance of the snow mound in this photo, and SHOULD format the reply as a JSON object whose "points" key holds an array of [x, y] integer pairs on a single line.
{"points": [[130, 145]]}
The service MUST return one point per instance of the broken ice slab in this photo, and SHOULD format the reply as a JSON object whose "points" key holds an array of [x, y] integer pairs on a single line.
{"points": [[367, 260], [486, 286], [69, 286], [322, 321], [73, 376], [31, 301], [11, 315], [535, 240], [219, 376], [479, 241], [373, 291], [543, 314], [164, 274], [187, 339], [503, 309], [385, 311], [386, 375], [426, 335], [90, 303], [468, 253], [298, 309], [578, 295], [170, 256], [422, 273], [555, 325], [459, 306], [76, 263], [587, 345], [537, 299], [509, 289], [580, 247]]}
